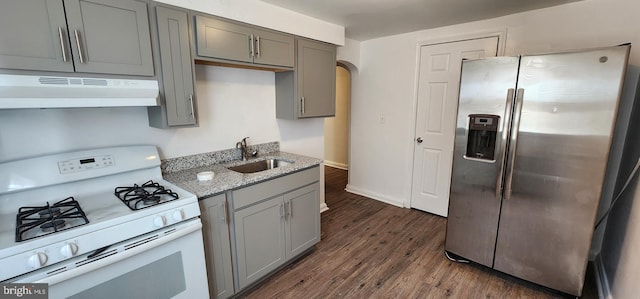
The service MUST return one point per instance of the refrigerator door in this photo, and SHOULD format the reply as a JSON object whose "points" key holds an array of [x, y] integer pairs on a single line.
{"points": [[568, 109], [485, 102]]}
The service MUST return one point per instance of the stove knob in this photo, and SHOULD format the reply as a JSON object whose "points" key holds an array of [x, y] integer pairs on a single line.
{"points": [[37, 260], [178, 215], [69, 250], [160, 221]]}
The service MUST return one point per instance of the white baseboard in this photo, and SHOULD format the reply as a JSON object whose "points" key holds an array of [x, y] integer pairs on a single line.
{"points": [[374, 195], [323, 207], [604, 290], [336, 165]]}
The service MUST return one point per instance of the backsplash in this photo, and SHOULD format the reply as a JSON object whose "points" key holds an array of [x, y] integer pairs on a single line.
{"points": [[198, 160]]}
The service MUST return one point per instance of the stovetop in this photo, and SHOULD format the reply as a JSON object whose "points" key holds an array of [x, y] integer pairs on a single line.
{"points": [[102, 209], [88, 179]]}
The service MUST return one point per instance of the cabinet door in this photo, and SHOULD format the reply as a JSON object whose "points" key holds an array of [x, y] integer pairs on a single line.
{"points": [[176, 66], [33, 36], [217, 246], [303, 219], [316, 74], [259, 240], [220, 39], [273, 48], [110, 36]]}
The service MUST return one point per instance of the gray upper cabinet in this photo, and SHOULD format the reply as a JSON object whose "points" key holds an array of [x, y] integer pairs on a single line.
{"points": [[110, 36], [230, 41], [216, 38], [309, 90], [217, 246], [176, 71], [97, 36], [273, 48], [33, 36]]}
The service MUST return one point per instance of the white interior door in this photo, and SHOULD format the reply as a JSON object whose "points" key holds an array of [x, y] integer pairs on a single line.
{"points": [[438, 83]]}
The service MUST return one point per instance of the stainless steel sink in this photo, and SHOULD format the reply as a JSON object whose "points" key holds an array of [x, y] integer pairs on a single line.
{"points": [[258, 166]]}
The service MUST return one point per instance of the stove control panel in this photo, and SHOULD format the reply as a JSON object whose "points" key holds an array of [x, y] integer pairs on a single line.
{"points": [[84, 164]]}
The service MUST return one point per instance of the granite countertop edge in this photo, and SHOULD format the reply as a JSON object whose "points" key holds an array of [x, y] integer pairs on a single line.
{"points": [[226, 180]]}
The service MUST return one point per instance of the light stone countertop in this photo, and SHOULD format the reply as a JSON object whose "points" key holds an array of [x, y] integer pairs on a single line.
{"points": [[226, 180]]}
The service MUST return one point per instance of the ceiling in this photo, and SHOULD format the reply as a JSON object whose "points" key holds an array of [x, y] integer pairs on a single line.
{"points": [[368, 19]]}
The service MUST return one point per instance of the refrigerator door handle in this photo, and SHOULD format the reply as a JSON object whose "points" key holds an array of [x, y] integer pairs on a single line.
{"points": [[503, 140], [511, 156]]}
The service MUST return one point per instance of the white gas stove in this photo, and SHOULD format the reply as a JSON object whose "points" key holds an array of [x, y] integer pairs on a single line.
{"points": [[69, 214]]}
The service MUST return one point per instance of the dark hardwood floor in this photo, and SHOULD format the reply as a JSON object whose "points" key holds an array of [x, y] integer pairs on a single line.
{"points": [[373, 250]]}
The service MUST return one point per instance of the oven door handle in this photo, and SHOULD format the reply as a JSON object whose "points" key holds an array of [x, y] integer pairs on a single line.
{"points": [[196, 225]]}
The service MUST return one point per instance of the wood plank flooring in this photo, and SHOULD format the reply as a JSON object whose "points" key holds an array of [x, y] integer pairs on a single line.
{"points": [[373, 250]]}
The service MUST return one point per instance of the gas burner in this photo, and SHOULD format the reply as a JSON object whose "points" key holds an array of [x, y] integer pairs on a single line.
{"points": [[53, 225], [47, 213], [147, 195], [33, 222]]}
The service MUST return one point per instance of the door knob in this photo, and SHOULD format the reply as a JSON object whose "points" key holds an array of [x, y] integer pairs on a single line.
{"points": [[419, 140]]}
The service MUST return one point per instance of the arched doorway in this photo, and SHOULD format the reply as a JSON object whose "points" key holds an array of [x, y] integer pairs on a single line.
{"points": [[336, 129]]}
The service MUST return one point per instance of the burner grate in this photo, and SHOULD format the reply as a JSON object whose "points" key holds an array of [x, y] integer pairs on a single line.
{"points": [[146, 195], [33, 222]]}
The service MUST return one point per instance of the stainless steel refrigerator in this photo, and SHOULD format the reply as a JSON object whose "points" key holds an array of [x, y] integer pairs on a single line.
{"points": [[532, 140]]}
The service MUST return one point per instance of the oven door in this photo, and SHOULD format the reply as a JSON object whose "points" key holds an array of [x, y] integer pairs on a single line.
{"points": [[165, 264]]}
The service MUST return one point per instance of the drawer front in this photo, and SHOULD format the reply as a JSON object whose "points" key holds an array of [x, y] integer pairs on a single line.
{"points": [[256, 193]]}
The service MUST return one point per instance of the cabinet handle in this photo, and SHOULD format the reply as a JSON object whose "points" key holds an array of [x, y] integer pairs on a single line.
{"points": [[251, 45], [302, 105], [290, 210], [80, 55], [282, 211], [258, 46], [223, 213], [193, 112], [62, 43]]}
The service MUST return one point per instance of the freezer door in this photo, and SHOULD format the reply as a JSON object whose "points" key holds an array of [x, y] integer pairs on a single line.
{"points": [[568, 109], [486, 96]]}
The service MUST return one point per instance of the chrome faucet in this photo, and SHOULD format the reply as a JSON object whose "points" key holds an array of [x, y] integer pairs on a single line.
{"points": [[244, 149]]}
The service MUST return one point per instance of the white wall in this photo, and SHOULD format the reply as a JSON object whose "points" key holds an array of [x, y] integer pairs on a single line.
{"points": [[350, 52], [232, 103], [267, 15]]}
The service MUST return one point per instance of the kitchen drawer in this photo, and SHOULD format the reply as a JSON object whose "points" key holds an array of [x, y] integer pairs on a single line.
{"points": [[258, 192]]}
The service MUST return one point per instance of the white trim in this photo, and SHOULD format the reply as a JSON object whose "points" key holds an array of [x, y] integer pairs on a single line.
{"points": [[374, 195], [336, 165], [604, 290], [323, 207], [500, 34]]}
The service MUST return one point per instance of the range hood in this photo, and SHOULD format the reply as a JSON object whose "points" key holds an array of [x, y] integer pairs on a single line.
{"points": [[21, 91]]}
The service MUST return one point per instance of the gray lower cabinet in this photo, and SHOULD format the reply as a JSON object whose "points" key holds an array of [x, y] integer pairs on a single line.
{"points": [[233, 41], [176, 71], [217, 246], [274, 222], [260, 240], [309, 90], [302, 228], [90, 36]]}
